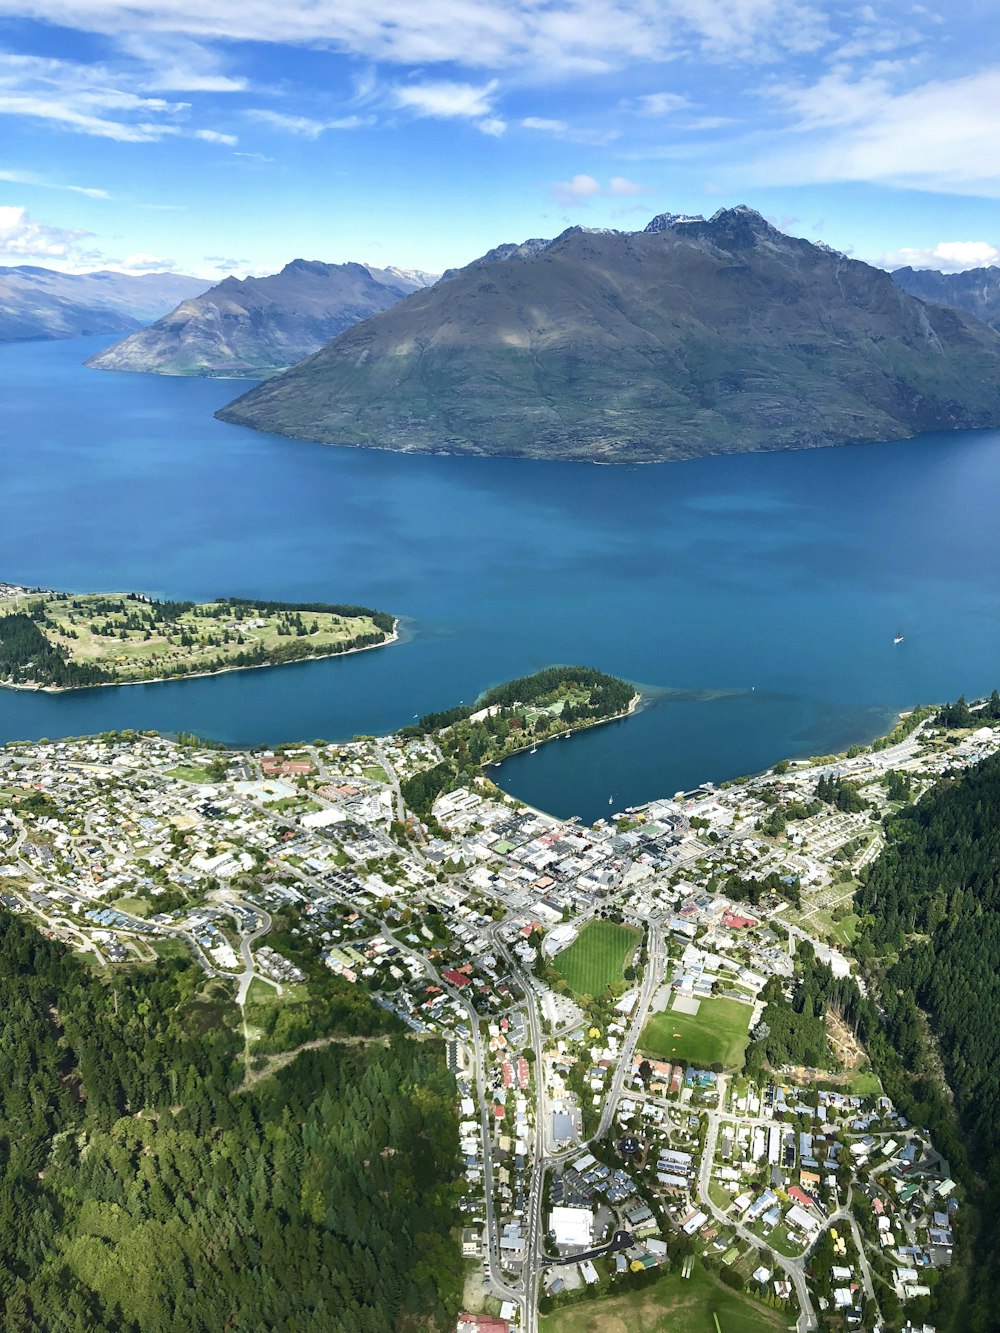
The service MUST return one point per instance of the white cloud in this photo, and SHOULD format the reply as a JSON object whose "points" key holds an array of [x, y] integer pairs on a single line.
{"points": [[656, 104], [938, 136], [175, 63], [88, 99], [560, 129], [576, 191], [947, 256], [22, 237], [145, 263], [541, 123], [493, 126], [620, 185], [708, 123], [581, 189], [307, 126], [213, 136], [444, 100], [558, 37], [40, 182]]}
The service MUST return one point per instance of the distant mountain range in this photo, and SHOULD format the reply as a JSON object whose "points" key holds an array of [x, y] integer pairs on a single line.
{"points": [[257, 326], [691, 337], [977, 290], [41, 303]]}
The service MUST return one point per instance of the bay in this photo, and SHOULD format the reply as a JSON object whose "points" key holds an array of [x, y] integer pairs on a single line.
{"points": [[756, 597]]}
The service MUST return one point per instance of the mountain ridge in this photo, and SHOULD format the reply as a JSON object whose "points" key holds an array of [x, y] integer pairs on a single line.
{"points": [[976, 290], [39, 303], [689, 337], [253, 327]]}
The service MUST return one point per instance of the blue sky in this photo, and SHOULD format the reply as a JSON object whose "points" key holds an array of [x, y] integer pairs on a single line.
{"points": [[216, 136]]}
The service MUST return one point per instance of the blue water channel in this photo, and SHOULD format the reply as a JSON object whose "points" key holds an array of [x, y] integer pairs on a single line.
{"points": [[755, 598]]}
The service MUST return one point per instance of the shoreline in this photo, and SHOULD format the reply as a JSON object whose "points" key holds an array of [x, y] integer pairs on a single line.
{"points": [[394, 637], [633, 707]]}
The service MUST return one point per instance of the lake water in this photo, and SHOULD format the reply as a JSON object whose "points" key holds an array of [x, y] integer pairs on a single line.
{"points": [[756, 596]]}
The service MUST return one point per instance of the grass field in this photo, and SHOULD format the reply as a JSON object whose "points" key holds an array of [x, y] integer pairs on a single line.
{"points": [[596, 957], [189, 773], [701, 1304], [717, 1034], [141, 907], [865, 1085], [132, 638]]}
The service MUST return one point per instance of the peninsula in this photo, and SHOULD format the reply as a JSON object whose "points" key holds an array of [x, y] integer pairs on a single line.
{"points": [[60, 641]]}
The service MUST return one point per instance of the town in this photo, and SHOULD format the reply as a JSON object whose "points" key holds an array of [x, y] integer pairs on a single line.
{"points": [[601, 991]]}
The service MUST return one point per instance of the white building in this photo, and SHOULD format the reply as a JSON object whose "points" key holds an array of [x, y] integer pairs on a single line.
{"points": [[572, 1227]]}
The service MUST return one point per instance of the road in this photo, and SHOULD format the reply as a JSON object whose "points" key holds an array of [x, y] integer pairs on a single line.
{"points": [[794, 1269], [656, 963], [246, 942], [621, 1240], [534, 1223], [398, 804]]}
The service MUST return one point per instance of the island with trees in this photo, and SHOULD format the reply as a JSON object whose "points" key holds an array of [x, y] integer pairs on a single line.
{"points": [[62, 641]]}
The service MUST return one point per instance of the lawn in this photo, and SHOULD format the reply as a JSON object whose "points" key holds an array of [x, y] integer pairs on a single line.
{"points": [[171, 947], [845, 929], [189, 773], [596, 957], [134, 906], [865, 1085], [134, 639], [717, 1034], [262, 998], [701, 1304]]}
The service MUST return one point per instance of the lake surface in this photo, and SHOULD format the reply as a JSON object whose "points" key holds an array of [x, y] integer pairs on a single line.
{"points": [[757, 597]]}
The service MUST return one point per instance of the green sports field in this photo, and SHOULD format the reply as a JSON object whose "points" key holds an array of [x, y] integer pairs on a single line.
{"points": [[700, 1304], [717, 1034], [596, 957]]}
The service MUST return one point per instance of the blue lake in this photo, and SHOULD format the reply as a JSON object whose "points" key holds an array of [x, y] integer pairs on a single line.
{"points": [[756, 596]]}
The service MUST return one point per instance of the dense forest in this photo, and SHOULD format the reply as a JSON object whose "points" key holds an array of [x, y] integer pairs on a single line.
{"points": [[930, 936], [144, 1189], [960, 715], [792, 1030], [27, 657], [606, 695]]}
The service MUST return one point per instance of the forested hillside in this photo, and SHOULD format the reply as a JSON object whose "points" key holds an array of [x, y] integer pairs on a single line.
{"points": [[931, 927], [140, 1192]]}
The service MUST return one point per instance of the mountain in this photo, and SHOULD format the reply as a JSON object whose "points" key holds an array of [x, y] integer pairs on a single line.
{"points": [[256, 326], [977, 290], [41, 303], [691, 337]]}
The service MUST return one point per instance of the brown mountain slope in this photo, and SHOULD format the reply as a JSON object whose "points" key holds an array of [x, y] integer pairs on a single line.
{"points": [[690, 338], [257, 326]]}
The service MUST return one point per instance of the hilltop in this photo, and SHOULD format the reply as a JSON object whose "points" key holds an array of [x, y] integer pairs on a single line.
{"points": [[41, 303], [257, 326], [691, 337]]}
